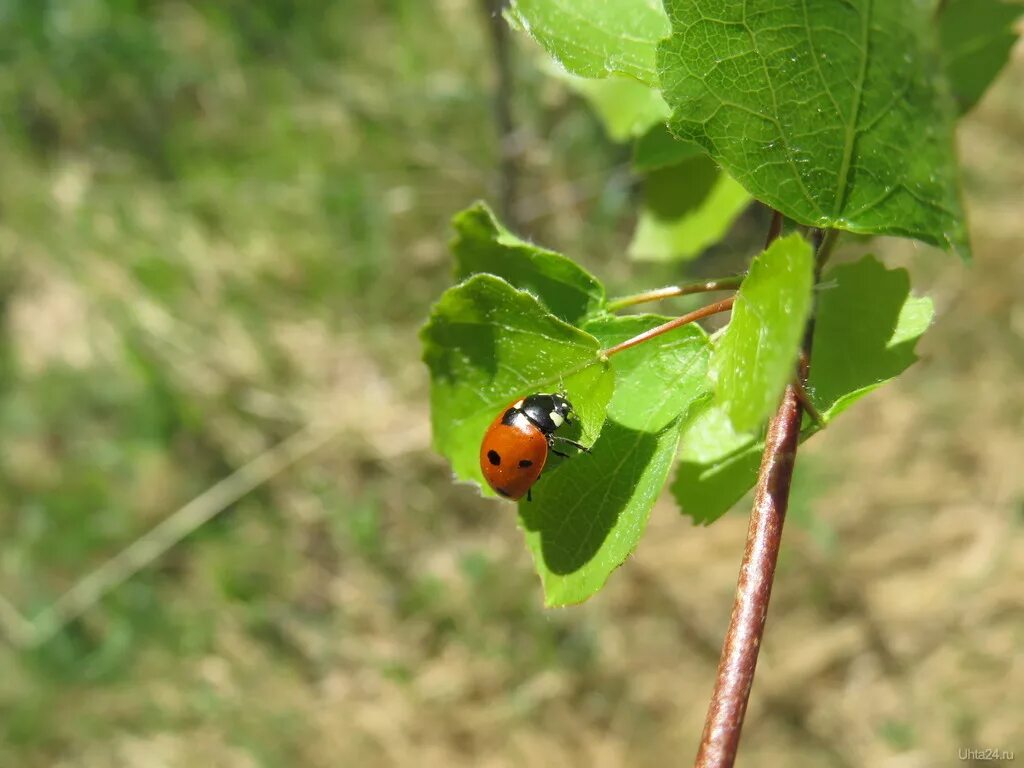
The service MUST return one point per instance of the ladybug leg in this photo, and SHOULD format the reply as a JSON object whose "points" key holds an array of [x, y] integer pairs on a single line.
{"points": [[529, 494], [570, 442], [559, 453]]}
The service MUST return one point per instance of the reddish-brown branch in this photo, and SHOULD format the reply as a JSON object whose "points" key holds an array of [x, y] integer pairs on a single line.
{"points": [[698, 314], [743, 640], [742, 644]]}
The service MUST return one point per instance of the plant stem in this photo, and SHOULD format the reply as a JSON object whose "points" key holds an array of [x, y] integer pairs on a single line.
{"points": [[508, 181], [824, 241], [705, 286], [738, 661], [743, 639], [698, 314]]}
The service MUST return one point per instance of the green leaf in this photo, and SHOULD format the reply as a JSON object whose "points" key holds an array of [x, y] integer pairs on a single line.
{"points": [[658, 148], [865, 330], [483, 245], [672, 366], [977, 37], [831, 112], [588, 514], [627, 107], [717, 465], [595, 39], [756, 356], [487, 344], [688, 208]]}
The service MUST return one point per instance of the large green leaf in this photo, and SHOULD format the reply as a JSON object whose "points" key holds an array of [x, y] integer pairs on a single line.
{"points": [[834, 113], [486, 344], [596, 38], [482, 244], [756, 356], [865, 331], [977, 37], [867, 324], [588, 514], [688, 208]]}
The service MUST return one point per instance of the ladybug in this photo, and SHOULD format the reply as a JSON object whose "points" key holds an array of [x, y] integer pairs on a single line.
{"points": [[516, 445]]}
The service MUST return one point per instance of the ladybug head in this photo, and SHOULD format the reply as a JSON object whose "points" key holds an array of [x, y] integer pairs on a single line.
{"points": [[547, 412], [561, 407]]}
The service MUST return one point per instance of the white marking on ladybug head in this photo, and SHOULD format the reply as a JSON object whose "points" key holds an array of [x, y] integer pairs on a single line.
{"points": [[518, 404], [557, 418]]}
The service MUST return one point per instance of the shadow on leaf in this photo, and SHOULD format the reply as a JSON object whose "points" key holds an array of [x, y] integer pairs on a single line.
{"points": [[576, 505], [855, 344], [705, 492], [452, 348], [674, 191]]}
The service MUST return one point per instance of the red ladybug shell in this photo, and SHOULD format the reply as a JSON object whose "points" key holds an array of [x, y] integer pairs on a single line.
{"points": [[512, 456]]}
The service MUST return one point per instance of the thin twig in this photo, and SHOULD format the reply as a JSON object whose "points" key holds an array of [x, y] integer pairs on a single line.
{"points": [[738, 661], [501, 49], [671, 291], [698, 314], [91, 588]]}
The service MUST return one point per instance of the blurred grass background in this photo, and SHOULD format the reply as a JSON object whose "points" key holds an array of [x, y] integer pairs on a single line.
{"points": [[221, 223]]}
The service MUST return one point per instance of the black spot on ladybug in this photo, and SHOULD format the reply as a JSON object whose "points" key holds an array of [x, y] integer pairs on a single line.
{"points": [[494, 457], [502, 492], [525, 463]]}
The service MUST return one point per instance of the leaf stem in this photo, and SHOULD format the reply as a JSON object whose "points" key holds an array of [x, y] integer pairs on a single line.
{"points": [[805, 399], [824, 241], [698, 314], [738, 661], [705, 286]]}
